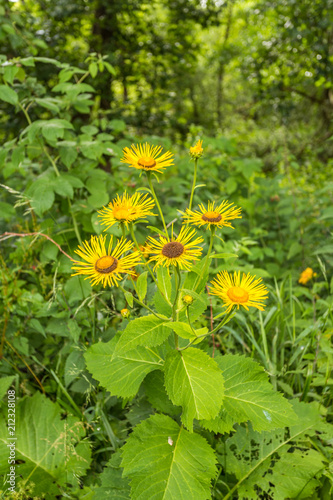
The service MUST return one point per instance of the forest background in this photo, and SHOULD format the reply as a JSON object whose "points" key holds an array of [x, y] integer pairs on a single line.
{"points": [[82, 80]]}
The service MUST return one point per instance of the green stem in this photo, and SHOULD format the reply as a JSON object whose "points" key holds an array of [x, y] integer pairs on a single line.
{"points": [[174, 307], [264, 341], [53, 163], [222, 323], [178, 280], [146, 263], [157, 203], [194, 182], [25, 113], [143, 305], [189, 319], [70, 399], [207, 263], [83, 77], [122, 225]]}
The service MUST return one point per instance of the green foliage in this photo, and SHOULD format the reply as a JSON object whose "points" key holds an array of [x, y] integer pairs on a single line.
{"points": [[52, 450], [113, 485], [163, 460], [121, 374], [194, 381], [147, 331], [249, 396], [152, 404], [276, 463]]}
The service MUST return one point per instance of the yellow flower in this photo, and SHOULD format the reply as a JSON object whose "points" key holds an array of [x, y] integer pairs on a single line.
{"points": [[196, 151], [126, 209], [179, 251], [105, 266], [187, 299], [236, 291], [125, 313], [218, 216], [306, 276], [145, 157]]}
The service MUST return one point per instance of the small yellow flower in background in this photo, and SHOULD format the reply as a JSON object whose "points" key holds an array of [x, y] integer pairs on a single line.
{"points": [[145, 157], [306, 276], [125, 313], [180, 251], [196, 151], [126, 209], [144, 250], [105, 265], [135, 274], [236, 290], [187, 299], [218, 216]]}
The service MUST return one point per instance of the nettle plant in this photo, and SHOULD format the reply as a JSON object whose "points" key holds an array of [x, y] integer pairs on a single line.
{"points": [[196, 392]]}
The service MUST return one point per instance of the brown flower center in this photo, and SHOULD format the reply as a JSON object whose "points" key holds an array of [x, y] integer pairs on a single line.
{"points": [[106, 264], [238, 295], [173, 249], [147, 162], [211, 217]]}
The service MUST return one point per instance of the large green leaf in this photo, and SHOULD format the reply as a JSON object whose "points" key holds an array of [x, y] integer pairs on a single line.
{"points": [[194, 381], [249, 396], [8, 95], [147, 331], [42, 196], [141, 285], [50, 452], [271, 462], [121, 373], [164, 282], [5, 383], [166, 462]]}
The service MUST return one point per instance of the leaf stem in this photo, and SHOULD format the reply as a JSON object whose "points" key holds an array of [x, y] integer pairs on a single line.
{"points": [[25, 113], [123, 232], [174, 307], [207, 264], [194, 182], [145, 261], [222, 323], [157, 203]]}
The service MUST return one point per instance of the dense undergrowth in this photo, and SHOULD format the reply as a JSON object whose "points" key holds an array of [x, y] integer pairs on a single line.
{"points": [[63, 166]]}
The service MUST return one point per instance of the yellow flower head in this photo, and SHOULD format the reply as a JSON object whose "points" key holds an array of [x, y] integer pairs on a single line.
{"points": [[125, 313], [306, 276], [236, 290], [187, 299], [180, 251], [126, 209], [218, 216], [196, 151], [145, 157], [105, 266]]}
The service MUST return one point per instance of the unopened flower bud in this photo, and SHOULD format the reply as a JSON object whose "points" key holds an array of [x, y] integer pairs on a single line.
{"points": [[187, 299], [196, 151], [125, 313]]}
